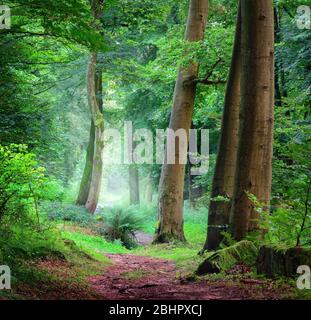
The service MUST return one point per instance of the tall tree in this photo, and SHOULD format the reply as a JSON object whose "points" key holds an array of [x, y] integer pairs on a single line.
{"points": [[171, 187], [254, 157], [94, 92], [223, 181], [93, 77], [88, 168]]}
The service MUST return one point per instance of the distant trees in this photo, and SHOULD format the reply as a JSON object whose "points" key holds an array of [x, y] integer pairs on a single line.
{"points": [[134, 185], [149, 188], [40, 75], [171, 185]]}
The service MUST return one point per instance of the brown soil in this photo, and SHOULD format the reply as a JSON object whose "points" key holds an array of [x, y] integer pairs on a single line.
{"points": [[143, 278]]}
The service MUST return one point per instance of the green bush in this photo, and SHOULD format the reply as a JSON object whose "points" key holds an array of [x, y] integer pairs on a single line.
{"points": [[58, 211], [21, 182], [24, 233], [121, 224]]}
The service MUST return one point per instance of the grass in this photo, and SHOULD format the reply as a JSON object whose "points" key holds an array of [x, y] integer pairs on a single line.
{"points": [[48, 264], [184, 254], [95, 246]]}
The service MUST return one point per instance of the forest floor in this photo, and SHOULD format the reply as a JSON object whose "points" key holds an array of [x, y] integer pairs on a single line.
{"points": [[95, 269], [132, 277], [143, 278]]}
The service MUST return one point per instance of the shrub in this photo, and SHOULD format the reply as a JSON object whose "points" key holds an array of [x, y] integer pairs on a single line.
{"points": [[21, 181], [121, 224], [58, 211]]}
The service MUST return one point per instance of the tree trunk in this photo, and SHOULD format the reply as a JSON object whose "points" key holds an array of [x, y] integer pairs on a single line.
{"points": [[223, 181], [88, 168], [149, 189], [94, 81], [254, 158], [171, 185], [134, 185]]}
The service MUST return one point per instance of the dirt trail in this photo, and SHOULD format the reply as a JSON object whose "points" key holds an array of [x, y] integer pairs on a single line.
{"points": [[143, 278]]}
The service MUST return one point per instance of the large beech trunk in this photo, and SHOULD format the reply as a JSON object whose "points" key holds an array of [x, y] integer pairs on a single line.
{"points": [[134, 185], [254, 159], [94, 80], [170, 211], [223, 181]]}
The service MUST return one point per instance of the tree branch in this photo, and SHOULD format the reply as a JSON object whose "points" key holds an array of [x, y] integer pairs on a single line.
{"points": [[206, 80]]}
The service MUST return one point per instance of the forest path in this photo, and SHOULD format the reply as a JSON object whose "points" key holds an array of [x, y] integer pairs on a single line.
{"points": [[138, 277], [133, 277]]}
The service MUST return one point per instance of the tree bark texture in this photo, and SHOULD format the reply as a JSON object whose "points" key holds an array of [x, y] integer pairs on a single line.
{"points": [[170, 209], [254, 157], [223, 180]]}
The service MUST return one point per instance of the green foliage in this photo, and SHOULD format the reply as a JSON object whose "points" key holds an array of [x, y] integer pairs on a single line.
{"points": [[285, 225], [95, 245], [25, 233], [140, 44], [228, 240], [222, 260], [121, 224], [21, 182], [59, 211]]}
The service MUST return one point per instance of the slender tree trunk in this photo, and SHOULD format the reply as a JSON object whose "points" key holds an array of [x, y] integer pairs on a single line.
{"points": [[94, 91], [94, 80], [170, 211], [134, 185], [149, 189], [223, 181], [88, 168], [254, 159]]}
